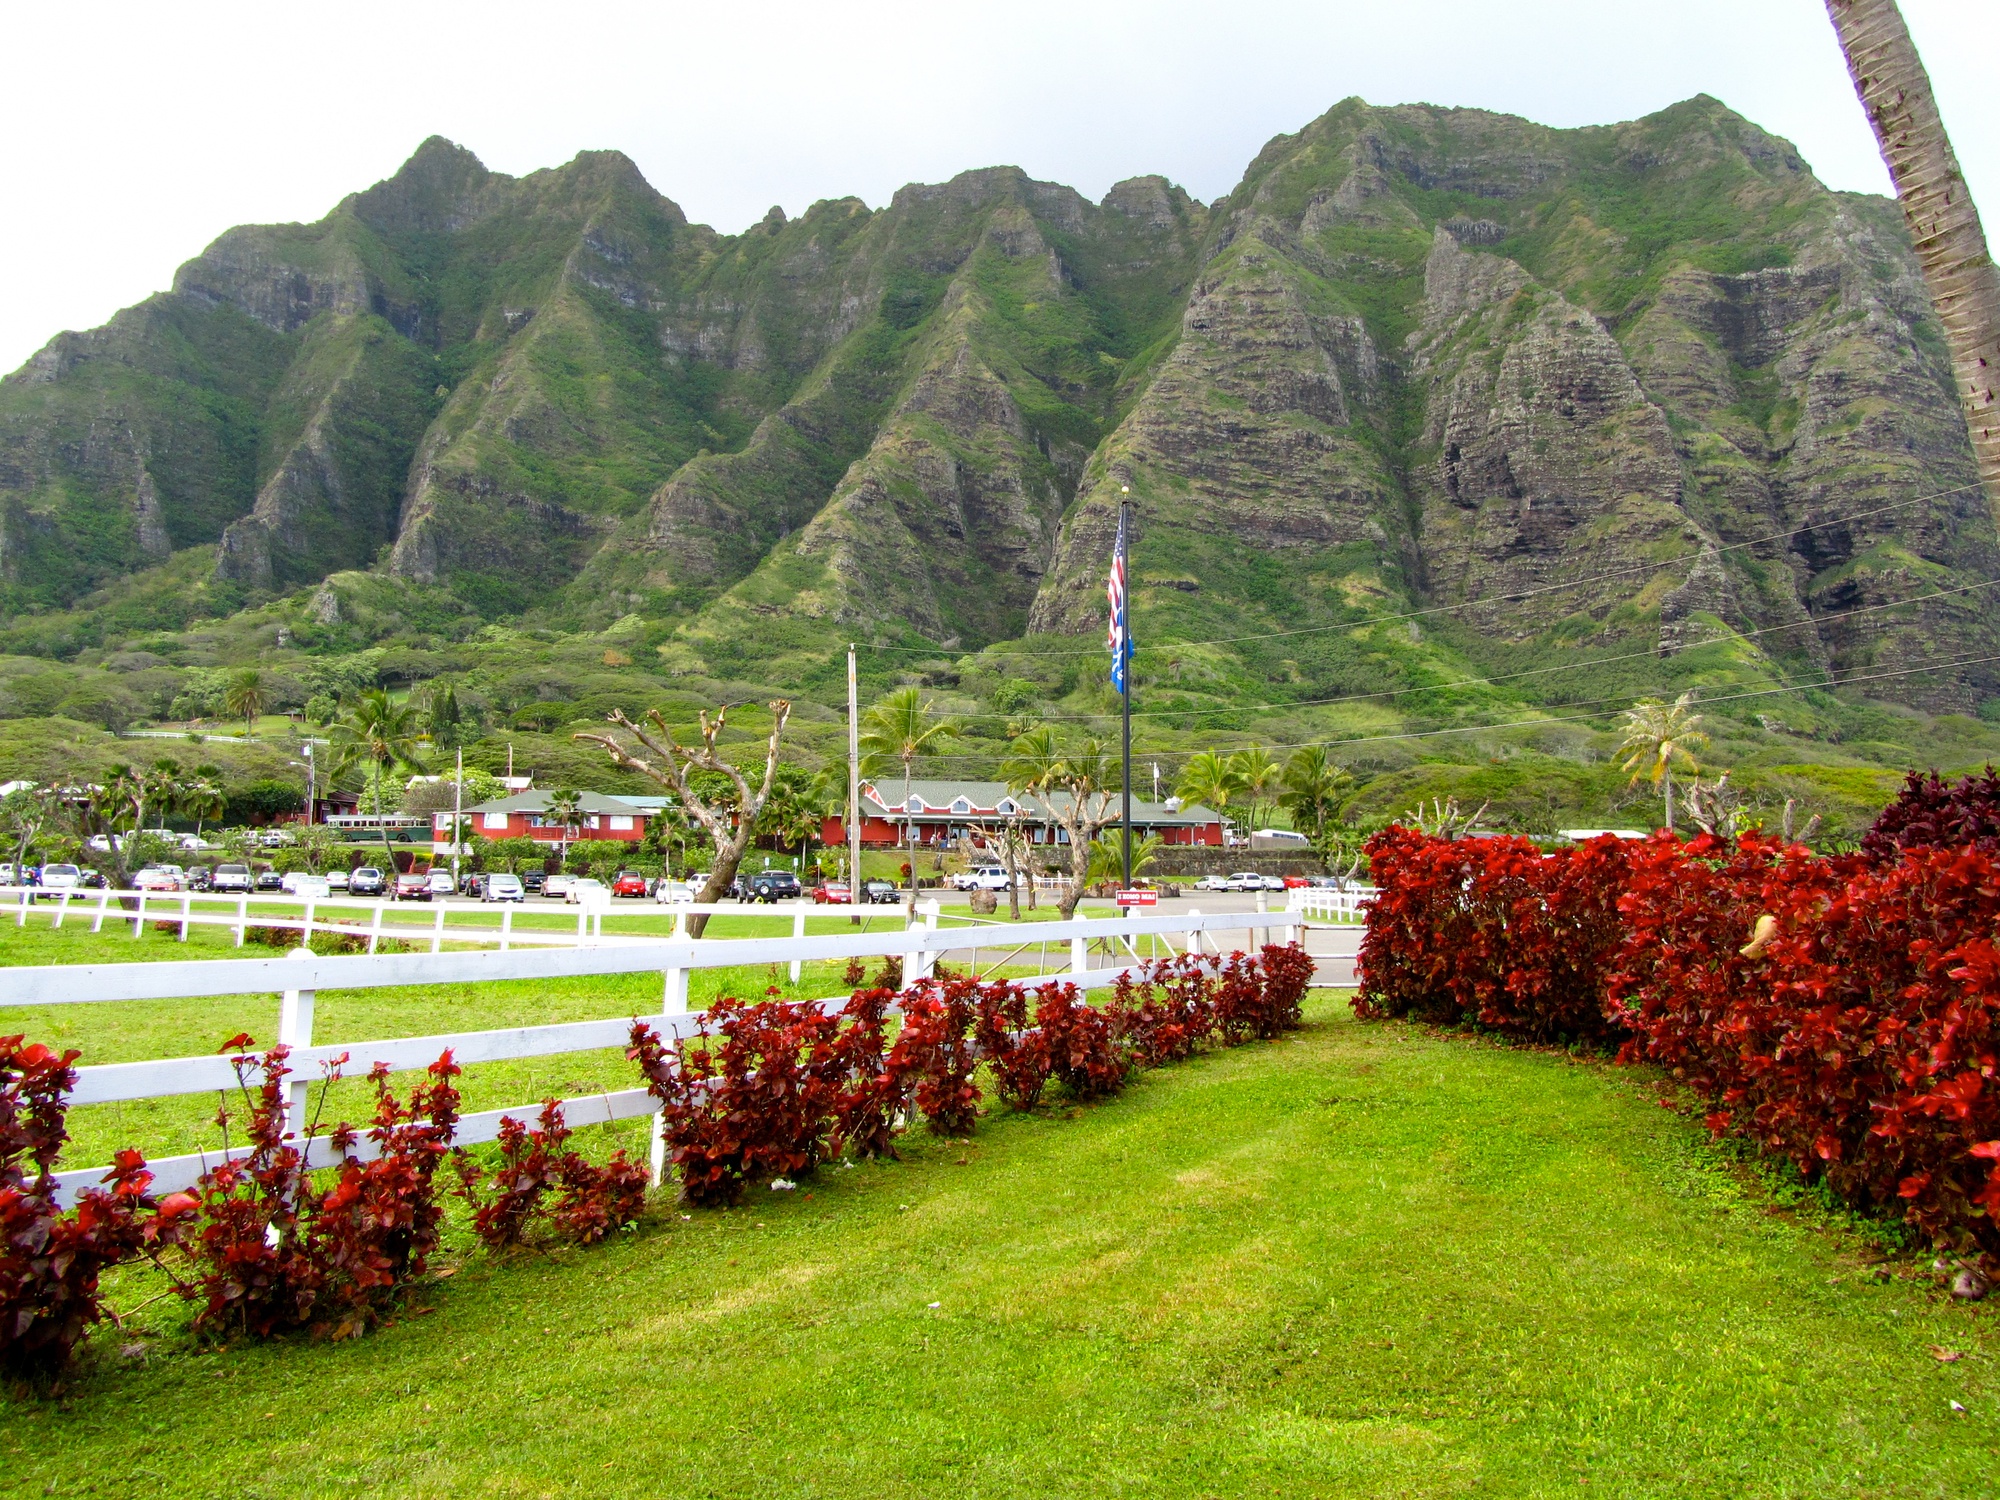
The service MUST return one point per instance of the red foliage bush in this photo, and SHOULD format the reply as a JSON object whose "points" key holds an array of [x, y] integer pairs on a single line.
{"points": [[1016, 1051], [590, 1202], [747, 1100], [1083, 1055], [1168, 1012], [1858, 1037], [935, 1050], [1931, 814], [867, 1097], [51, 1261], [274, 1253], [1491, 930]]}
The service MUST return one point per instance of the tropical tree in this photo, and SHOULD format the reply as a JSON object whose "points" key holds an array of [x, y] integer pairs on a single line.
{"points": [[1938, 209], [1659, 736], [443, 718], [1077, 784], [1257, 774], [246, 697], [377, 734], [1107, 856], [679, 769], [1315, 787], [566, 807], [24, 813], [899, 729], [202, 796], [793, 811], [317, 846], [1209, 779]]}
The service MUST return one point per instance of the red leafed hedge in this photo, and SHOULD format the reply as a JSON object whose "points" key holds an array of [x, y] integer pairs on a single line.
{"points": [[1493, 931], [1841, 1013]]}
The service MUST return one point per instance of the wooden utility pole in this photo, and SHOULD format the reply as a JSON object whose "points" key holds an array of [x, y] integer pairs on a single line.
{"points": [[853, 784]]}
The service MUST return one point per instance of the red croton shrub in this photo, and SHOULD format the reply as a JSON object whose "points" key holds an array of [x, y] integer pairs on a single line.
{"points": [[1843, 1016], [51, 1260], [1493, 931], [935, 1051], [277, 1250], [1083, 1054], [588, 1203]]}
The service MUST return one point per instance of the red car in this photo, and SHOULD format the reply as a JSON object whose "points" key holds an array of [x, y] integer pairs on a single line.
{"points": [[629, 883], [1296, 882], [413, 886], [833, 895]]}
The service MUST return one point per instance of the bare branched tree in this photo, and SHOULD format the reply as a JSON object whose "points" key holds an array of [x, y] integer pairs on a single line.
{"points": [[1445, 819], [670, 763]]}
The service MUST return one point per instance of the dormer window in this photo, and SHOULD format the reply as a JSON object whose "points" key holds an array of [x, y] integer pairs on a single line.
{"points": [[914, 805], [1008, 807], [961, 804]]}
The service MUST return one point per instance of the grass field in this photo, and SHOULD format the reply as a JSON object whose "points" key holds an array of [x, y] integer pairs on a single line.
{"points": [[1363, 1261]]}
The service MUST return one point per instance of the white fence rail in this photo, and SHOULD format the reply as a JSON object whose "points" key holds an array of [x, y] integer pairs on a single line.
{"points": [[1322, 904], [298, 977]]}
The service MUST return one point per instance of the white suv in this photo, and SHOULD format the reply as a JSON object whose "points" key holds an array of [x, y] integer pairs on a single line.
{"points": [[986, 878]]}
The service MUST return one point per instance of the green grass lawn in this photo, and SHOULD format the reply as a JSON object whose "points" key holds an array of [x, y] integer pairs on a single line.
{"points": [[1364, 1261]]}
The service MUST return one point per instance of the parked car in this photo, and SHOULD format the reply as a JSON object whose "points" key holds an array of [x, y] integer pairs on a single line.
{"points": [[833, 893], [304, 883], [673, 893], [880, 893], [367, 881], [336, 880], [232, 878], [1296, 882], [439, 882], [532, 880], [1274, 882], [472, 883], [61, 877], [772, 886], [629, 883], [1213, 883], [415, 885], [557, 885], [584, 891], [1245, 880], [500, 886], [270, 880], [992, 878], [156, 878], [10, 876]]}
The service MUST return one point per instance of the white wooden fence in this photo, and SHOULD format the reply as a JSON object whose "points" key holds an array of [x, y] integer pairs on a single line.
{"points": [[298, 977], [1324, 904]]}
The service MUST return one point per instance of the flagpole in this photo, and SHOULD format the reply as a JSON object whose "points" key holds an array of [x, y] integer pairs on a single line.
{"points": [[1125, 677]]}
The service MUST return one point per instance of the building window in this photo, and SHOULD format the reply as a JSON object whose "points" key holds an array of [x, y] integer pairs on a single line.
{"points": [[621, 821], [493, 820], [591, 821], [914, 805], [1008, 807], [961, 805]]}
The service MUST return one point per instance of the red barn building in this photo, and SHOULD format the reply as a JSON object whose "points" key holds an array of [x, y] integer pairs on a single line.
{"points": [[942, 812], [526, 815]]}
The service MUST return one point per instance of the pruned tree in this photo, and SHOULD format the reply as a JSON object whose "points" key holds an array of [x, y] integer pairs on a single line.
{"points": [[675, 766], [1077, 784], [1445, 819]]}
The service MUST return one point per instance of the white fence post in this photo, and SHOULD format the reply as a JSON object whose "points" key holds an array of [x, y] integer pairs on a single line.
{"points": [[1191, 940], [26, 896], [242, 918], [506, 925], [798, 931], [306, 932], [187, 906], [103, 905], [295, 1030], [437, 929], [375, 931], [62, 908], [672, 1003], [139, 915], [1079, 955]]}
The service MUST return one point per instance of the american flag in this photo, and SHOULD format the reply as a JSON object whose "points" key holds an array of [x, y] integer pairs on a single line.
{"points": [[1119, 637]]}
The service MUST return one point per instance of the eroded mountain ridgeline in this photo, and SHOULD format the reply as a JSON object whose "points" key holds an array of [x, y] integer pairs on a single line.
{"points": [[1644, 382]]}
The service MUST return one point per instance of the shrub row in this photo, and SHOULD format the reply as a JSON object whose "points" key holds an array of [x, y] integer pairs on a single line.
{"points": [[1843, 1014], [263, 1245]]}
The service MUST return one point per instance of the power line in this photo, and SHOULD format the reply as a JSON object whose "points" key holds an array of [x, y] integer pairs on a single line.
{"points": [[1424, 734], [1574, 666], [1436, 609]]}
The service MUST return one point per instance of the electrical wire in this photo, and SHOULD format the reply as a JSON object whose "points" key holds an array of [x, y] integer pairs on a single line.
{"points": [[1437, 609], [1575, 666]]}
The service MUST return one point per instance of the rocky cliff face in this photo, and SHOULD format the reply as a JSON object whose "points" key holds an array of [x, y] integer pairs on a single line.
{"points": [[1565, 387]]}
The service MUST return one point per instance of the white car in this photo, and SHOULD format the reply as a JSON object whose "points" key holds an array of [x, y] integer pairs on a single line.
{"points": [[673, 893], [336, 880], [584, 891], [299, 883], [1213, 883], [441, 883], [1246, 880], [10, 876], [504, 887], [1274, 882], [988, 878], [558, 885], [61, 877]]}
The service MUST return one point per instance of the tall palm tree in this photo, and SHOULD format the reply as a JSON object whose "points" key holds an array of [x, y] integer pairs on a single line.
{"points": [[201, 796], [1209, 779], [377, 733], [566, 807], [1315, 787], [1257, 772], [900, 728], [1657, 737], [1937, 206], [245, 697]]}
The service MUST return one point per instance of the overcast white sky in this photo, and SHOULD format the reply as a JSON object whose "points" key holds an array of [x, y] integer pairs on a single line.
{"points": [[137, 132]]}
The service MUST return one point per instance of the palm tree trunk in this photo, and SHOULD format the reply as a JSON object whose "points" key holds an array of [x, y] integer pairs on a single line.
{"points": [[1937, 206], [1670, 801]]}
